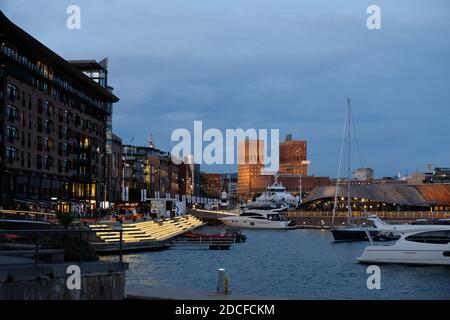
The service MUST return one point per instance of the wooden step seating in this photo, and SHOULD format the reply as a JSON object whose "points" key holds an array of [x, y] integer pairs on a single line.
{"points": [[149, 230]]}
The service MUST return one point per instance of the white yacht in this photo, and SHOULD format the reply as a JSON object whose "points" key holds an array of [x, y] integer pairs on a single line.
{"points": [[258, 219], [421, 247], [393, 230]]}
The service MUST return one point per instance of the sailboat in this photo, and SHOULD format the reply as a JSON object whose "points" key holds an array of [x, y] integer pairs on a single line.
{"points": [[351, 231]]}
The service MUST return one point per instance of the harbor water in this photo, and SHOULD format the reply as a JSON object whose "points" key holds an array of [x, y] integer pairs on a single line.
{"points": [[293, 264]]}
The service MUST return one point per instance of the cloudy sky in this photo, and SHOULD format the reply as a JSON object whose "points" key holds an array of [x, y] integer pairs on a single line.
{"points": [[286, 64]]}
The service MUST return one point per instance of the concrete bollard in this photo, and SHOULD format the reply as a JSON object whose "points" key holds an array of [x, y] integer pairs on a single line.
{"points": [[222, 282]]}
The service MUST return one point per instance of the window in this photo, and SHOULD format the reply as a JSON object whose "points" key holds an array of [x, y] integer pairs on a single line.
{"points": [[60, 115], [11, 154], [39, 124], [40, 106], [11, 133], [39, 143], [66, 149], [48, 126], [67, 165], [251, 214], [12, 91], [48, 162], [67, 133], [11, 112], [440, 237], [48, 144], [24, 122], [46, 108], [39, 162], [60, 149]]}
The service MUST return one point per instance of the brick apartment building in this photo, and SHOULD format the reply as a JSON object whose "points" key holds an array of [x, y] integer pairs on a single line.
{"points": [[53, 125]]}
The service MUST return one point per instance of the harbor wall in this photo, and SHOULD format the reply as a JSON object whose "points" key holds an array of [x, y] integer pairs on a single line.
{"points": [[99, 281]]}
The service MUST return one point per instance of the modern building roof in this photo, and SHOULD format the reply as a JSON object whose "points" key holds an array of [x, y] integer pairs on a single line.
{"points": [[88, 64], [30, 44], [436, 192], [411, 195]]}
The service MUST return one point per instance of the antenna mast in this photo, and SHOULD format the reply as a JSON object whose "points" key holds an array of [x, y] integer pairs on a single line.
{"points": [[348, 167]]}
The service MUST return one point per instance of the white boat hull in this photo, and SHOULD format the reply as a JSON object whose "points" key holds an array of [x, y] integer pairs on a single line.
{"points": [[420, 255], [241, 222]]}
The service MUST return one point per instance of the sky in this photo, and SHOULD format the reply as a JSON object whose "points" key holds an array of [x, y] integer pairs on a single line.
{"points": [[273, 64]]}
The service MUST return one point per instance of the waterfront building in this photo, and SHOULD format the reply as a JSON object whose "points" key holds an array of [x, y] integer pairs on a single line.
{"points": [[114, 170], [144, 168], [382, 197], [211, 185], [293, 168], [293, 157], [53, 125], [250, 165], [229, 182], [363, 174], [150, 173], [189, 178]]}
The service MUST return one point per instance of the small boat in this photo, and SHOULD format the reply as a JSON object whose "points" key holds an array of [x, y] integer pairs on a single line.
{"points": [[236, 236], [431, 247], [354, 233]]}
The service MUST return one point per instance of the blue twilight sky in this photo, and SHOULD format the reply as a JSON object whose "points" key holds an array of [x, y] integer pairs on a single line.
{"points": [[287, 64]]}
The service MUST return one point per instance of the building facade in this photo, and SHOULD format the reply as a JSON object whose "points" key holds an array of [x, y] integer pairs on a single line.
{"points": [[211, 184], [293, 168], [250, 165], [293, 155], [114, 170], [53, 126]]}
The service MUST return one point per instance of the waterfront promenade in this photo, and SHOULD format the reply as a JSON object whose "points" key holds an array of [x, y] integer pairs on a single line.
{"points": [[323, 219]]}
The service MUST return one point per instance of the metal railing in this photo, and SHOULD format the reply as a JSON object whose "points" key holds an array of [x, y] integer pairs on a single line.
{"points": [[35, 241], [406, 215]]}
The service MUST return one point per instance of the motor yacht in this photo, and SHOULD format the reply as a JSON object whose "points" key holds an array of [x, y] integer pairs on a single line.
{"points": [[419, 247], [393, 231], [258, 219]]}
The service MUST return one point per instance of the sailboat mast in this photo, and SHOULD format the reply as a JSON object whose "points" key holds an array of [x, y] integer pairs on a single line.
{"points": [[348, 167]]}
